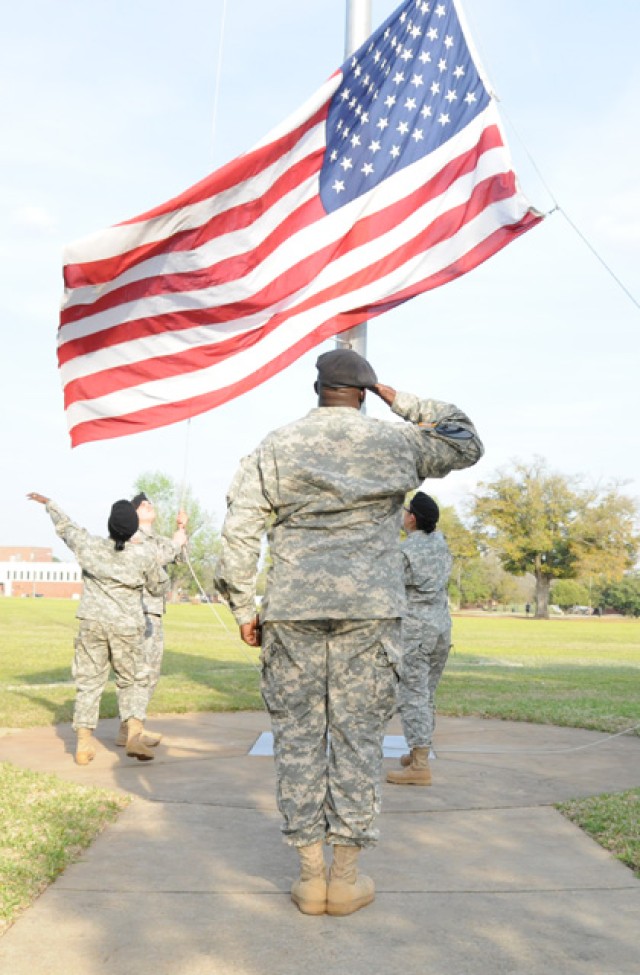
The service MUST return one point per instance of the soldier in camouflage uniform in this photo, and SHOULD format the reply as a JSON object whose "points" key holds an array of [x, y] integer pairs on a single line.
{"points": [[330, 489], [426, 634], [166, 550], [114, 572]]}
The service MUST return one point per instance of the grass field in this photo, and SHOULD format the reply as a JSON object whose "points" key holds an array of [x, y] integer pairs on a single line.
{"points": [[582, 673], [206, 667], [613, 820], [46, 824]]}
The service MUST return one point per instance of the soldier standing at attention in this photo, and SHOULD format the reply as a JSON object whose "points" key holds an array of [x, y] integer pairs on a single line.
{"points": [[114, 572], [426, 634], [330, 488], [165, 550]]}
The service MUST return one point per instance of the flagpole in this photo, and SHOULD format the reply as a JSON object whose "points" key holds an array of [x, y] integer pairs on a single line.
{"points": [[358, 29]]}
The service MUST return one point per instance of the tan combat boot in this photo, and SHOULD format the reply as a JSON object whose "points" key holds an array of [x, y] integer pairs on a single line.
{"points": [[136, 747], [85, 746], [121, 737], [309, 892], [348, 890], [416, 773], [406, 759], [150, 738]]}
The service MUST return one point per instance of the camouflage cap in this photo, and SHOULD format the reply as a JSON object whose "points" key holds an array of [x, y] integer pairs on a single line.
{"points": [[344, 367]]}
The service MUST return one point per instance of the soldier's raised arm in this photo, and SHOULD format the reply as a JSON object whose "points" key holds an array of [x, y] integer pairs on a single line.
{"points": [[70, 533], [172, 549], [179, 538], [443, 437]]}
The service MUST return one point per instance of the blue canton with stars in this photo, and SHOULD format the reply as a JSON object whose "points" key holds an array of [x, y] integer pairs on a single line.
{"points": [[409, 88]]}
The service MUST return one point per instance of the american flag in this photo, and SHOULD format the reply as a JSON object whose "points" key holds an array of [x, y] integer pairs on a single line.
{"points": [[392, 180]]}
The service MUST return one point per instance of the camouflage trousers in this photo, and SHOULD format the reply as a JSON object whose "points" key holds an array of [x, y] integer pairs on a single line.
{"points": [[329, 687], [98, 648], [152, 651], [423, 662]]}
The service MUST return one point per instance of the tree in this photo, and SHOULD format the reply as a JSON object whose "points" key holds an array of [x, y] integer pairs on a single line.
{"points": [[462, 545], [607, 536], [545, 523], [204, 539], [472, 584], [504, 587], [476, 578], [484, 581], [623, 596], [570, 592]]}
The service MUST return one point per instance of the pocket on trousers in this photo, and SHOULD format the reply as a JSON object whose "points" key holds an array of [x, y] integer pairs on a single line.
{"points": [[386, 682], [271, 683], [373, 689]]}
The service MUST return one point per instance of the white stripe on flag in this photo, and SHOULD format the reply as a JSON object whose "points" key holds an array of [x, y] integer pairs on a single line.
{"points": [[209, 294], [167, 343], [247, 361]]}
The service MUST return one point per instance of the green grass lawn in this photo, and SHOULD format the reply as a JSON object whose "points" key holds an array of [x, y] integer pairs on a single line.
{"points": [[583, 673], [46, 824], [613, 820], [206, 666]]}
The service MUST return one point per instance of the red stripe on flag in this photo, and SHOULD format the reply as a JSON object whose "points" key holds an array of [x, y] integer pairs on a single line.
{"points": [[292, 280], [158, 416], [228, 269], [124, 377], [201, 335], [236, 172], [237, 218]]}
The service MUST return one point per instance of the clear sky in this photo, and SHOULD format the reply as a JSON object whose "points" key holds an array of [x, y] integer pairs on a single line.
{"points": [[108, 109]]}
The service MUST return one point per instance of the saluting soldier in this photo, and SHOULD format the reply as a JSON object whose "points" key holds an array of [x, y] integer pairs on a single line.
{"points": [[426, 634], [114, 573], [330, 489]]}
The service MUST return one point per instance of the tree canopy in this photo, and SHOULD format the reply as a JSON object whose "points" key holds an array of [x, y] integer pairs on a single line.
{"points": [[622, 595], [548, 524]]}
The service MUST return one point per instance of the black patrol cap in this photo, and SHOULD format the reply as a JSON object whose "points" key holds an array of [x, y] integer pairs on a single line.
{"points": [[344, 367], [139, 498], [425, 510], [123, 521]]}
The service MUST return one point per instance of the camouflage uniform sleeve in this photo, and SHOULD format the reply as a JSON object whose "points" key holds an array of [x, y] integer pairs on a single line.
{"points": [[442, 564], [156, 580], [162, 584], [71, 534], [443, 437], [247, 512], [168, 551]]}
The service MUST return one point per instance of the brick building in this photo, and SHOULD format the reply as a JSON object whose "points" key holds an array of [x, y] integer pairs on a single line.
{"points": [[26, 571]]}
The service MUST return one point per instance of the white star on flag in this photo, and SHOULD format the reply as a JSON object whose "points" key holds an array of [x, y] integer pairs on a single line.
{"points": [[204, 297]]}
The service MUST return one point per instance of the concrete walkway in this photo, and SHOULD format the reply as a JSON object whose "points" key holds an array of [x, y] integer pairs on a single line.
{"points": [[477, 875]]}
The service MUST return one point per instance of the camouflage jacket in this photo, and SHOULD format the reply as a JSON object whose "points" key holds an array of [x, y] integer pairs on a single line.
{"points": [[427, 566], [330, 489], [112, 581], [164, 551]]}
